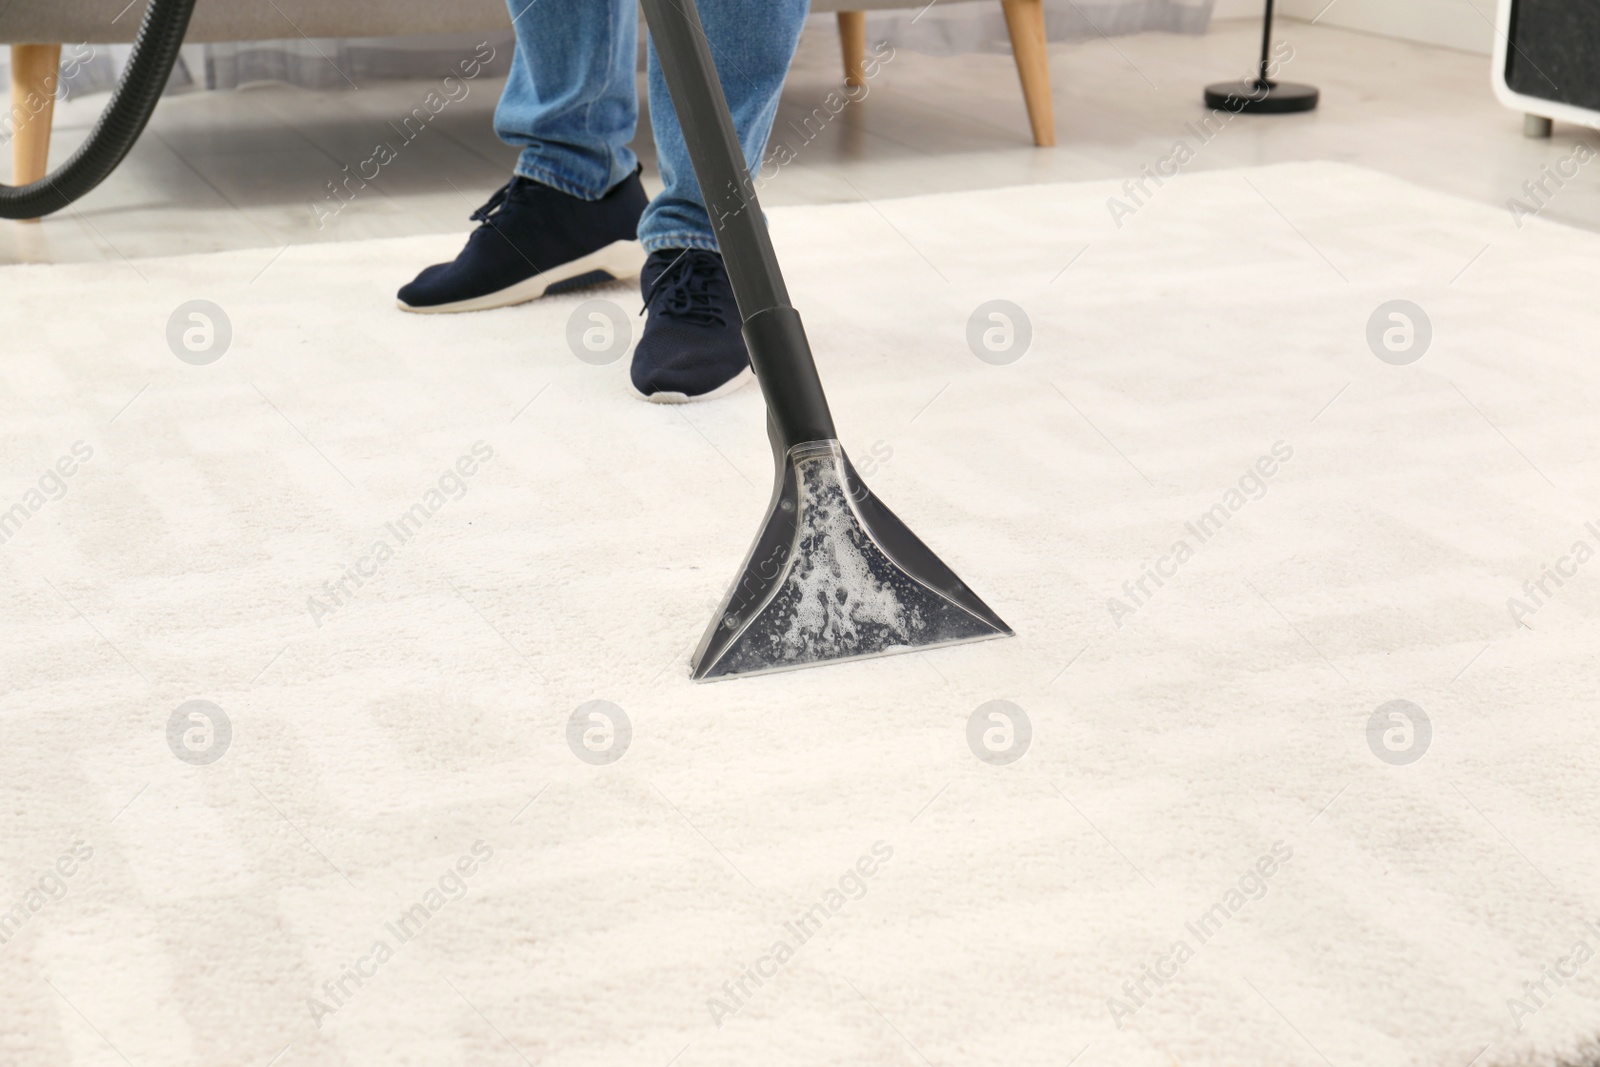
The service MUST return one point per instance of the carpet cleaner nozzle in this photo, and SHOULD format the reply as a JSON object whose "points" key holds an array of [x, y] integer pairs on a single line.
{"points": [[834, 575]]}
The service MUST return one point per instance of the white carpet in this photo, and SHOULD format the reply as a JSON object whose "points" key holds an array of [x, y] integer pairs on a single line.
{"points": [[1225, 718]]}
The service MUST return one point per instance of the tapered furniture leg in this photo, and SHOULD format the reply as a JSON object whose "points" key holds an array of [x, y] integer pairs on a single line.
{"points": [[1025, 21], [853, 44], [34, 69]]}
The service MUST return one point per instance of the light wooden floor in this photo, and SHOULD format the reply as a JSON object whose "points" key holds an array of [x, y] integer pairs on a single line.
{"points": [[243, 169]]}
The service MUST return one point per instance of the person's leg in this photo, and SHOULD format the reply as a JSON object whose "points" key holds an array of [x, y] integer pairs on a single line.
{"points": [[752, 43], [692, 348], [569, 216], [570, 101]]}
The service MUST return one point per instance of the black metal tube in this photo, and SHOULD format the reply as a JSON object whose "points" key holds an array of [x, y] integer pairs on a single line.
{"points": [[782, 357], [1266, 44], [725, 184], [155, 49], [773, 334]]}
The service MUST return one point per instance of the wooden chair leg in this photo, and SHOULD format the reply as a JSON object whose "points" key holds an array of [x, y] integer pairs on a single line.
{"points": [[34, 69], [1025, 21], [853, 43]]}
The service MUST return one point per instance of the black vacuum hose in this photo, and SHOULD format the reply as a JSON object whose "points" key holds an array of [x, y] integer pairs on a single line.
{"points": [[155, 49]]}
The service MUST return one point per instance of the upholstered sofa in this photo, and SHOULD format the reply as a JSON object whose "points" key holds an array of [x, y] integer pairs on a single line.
{"points": [[36, 29]]}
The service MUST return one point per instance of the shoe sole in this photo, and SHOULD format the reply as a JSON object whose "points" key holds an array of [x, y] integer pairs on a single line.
{"points": [[738, 381], [617, 261]]}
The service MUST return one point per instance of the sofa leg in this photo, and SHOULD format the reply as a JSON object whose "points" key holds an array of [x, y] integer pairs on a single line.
{"points": [[1025, 21], [34, 69], [853, 44]]}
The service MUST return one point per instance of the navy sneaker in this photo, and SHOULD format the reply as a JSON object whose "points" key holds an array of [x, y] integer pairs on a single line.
{"points": [[691, 348], [534, 240]]}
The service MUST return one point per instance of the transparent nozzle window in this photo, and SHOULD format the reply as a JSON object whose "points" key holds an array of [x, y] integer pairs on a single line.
{"points": [[841, 596]]}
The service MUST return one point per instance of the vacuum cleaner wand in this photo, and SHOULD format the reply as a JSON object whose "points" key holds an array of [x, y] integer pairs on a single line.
{"points": [[833, 574]]}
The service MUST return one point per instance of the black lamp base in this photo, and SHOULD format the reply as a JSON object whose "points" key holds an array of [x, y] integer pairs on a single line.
{"points": [[1254, 97]]}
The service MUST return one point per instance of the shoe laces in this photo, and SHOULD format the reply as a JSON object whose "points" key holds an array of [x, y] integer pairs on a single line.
{"points": [[495, 202], [688, 289]]}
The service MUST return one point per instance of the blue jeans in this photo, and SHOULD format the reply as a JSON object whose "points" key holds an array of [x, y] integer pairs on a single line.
{"points": [[571, 101]]}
